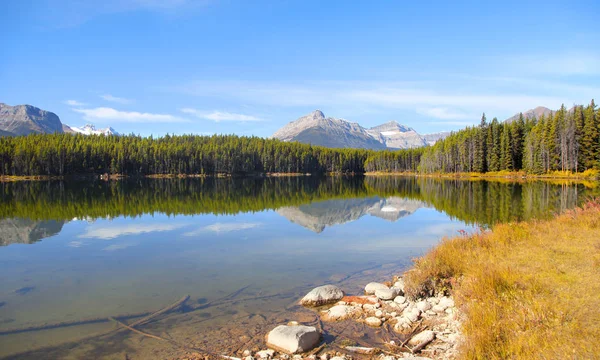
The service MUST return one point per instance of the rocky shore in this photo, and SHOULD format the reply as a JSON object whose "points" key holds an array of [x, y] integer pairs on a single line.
{"points": [[401, 328]]}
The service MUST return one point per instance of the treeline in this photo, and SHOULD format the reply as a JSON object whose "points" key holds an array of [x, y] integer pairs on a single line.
{"points": [[64, 154], [566, 140], [474, 202]]}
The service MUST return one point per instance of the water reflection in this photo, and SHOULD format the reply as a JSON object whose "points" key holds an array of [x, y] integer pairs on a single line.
{"points": [[25, 231], [136, 246], [319, 215]]}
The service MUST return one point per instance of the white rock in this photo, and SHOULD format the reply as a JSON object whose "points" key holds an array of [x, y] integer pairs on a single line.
{"points": [[379, 313], [322, 295], [324, 357], [386, 294], [293, 339], [248, 358], [338, 358], [339, 312], [369, 307], [393, 314], [426, 336], [387, 357], [423, 305], [399, 284], [246, 353], [412, 315], [399, 299], [446, 302], [371, 287], [433, 300], [438, 308], [373, 321], [297, 357], [266, 354]]}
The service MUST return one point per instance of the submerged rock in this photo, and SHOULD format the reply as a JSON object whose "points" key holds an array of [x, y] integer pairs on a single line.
{"points": [[424, 337], [322, 295], [339, 312], [372, 287], [293, 339]]}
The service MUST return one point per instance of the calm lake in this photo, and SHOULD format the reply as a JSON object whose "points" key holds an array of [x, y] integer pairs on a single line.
{"points": [[244, 250]]}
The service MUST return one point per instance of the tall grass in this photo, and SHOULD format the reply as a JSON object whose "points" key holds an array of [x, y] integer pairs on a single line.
{"points": [[528, 290]]}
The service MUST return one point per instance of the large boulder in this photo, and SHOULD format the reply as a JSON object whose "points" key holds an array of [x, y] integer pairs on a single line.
{"points": [[293, 339], [322, 295], [372, 287], [386, 294]]}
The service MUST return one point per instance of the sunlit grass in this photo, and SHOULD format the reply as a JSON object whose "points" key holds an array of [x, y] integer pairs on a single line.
{"points": [[527, 290]]}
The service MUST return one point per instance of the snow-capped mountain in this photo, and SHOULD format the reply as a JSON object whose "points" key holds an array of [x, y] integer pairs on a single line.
{"points": [[317, 129], [90, 129]]}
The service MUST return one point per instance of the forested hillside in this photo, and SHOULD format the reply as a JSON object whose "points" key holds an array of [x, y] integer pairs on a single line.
{"points": [[566, 140]]}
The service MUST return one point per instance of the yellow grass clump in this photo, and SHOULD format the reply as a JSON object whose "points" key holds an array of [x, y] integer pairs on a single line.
{"points": [[528, 290]]}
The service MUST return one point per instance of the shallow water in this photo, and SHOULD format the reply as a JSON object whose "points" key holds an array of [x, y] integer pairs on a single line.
{"points": [[76, 251]]}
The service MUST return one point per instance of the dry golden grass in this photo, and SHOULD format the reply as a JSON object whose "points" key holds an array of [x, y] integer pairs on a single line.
{"points": [[528, 290]]}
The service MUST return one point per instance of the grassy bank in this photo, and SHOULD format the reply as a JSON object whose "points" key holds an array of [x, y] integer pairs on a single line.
{"points": [[528, 290], [591, 174]]}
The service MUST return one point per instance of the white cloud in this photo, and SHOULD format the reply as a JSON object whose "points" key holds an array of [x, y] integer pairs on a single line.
{"points": [[220, 116], [74, 103], [223, 228], [105, 113], [111, 232], [443, 113], [114, 99], [378, 95]]}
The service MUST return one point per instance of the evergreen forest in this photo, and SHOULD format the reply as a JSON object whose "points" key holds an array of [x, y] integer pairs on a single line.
{"points": [[566, 140]]}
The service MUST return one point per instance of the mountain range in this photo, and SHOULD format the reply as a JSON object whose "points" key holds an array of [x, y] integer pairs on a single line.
{"points": [[313, 128], [317, 216], [26, 119], [316, 129]]}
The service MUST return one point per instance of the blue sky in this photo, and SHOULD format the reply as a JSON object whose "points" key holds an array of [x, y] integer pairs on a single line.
{"points": [[249, 67]]}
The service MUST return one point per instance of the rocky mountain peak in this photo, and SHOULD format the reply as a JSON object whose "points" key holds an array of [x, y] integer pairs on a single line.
{"points": [[27, 119], [317, 114]]}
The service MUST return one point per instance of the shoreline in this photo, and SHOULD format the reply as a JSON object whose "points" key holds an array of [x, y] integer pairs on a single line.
{"points": [[589, 175], [519, 304]]}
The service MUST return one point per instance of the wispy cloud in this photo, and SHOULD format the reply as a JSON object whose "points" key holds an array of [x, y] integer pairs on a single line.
{"points": [[444, 113], [223, 228], [74, 103], [379, 95], [220, 116], [111, 232], [116, 247], [114, 99], [106, 113]]}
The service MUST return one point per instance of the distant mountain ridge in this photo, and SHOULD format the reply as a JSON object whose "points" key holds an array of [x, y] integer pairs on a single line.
{"points": [[90, 129], [317, 129], [27, 119], [531, 113]]}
